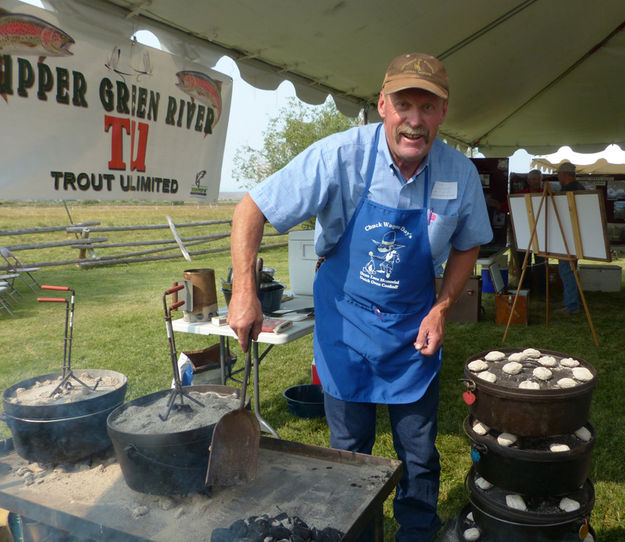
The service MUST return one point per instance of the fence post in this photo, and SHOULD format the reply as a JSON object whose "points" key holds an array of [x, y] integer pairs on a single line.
{"points": [[84, 234]]}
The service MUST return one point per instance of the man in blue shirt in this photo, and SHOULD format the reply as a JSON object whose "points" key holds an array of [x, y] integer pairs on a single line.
{"points": [[393, 203]]}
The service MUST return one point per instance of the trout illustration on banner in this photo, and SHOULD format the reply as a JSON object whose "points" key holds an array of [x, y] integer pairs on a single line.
{"points": [[200, 86], [22, 34]]}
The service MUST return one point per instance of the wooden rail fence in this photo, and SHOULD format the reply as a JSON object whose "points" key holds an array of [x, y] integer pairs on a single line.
{"points": [[90, 248]]}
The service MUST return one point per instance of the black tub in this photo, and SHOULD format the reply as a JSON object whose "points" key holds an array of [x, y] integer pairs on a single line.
{"points": [[305, 401], [529, 467], [168, 463]]}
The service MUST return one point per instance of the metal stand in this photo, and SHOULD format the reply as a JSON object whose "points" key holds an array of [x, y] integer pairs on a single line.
{"points": [[68, 374], [178, 390]]}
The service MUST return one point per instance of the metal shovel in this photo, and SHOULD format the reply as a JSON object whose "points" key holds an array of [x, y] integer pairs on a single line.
{"points": [[236, 437]]}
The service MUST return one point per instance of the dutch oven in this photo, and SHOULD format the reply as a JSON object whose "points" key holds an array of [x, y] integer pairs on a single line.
{"points": [[528, 412], [466, 521], [167, 463], [529, 466], [71, 430], [543, 519]]}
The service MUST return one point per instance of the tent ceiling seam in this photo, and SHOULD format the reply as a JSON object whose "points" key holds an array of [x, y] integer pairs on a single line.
{"points": [[485, 29]]}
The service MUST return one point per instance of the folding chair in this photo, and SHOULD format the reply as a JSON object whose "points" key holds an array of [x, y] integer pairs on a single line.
{"points": [[8, 280], [4, 305], [14, 266]]}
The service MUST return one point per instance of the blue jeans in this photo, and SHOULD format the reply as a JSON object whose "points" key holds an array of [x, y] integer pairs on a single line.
{"points": [[569, 284], [414, 427]]}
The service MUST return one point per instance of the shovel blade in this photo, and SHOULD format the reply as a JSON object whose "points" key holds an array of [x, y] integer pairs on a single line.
{"points": [[234, 450]]}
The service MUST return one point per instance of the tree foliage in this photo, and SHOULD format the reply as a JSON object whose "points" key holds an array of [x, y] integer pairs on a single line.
{"points": [[295, 128]]}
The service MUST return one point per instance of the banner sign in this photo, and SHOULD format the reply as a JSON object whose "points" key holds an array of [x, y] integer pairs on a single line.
{"points": [[85, 114]]}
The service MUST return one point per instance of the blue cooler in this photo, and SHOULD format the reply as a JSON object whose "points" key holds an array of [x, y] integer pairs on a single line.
{"points": [[487, 281]]}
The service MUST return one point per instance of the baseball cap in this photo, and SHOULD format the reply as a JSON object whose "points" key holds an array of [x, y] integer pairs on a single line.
{"points": [[566, 167], [416, 70]]}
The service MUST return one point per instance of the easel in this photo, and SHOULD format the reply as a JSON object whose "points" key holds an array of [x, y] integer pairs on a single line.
{"points": [[533, 220]]}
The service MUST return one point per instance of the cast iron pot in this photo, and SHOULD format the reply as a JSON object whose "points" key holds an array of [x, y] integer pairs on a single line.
{"points": [[84, 405], [504, 524], [465, 523], [167, 463], [527, 469], [62, 439], [70, 431], [530, 413]]}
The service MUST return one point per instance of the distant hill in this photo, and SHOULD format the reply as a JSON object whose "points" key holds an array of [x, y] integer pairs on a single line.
{"points": [[231, 196]]}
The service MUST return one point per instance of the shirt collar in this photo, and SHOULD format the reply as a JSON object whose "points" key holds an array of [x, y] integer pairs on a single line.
{"points": [[386, 152]]}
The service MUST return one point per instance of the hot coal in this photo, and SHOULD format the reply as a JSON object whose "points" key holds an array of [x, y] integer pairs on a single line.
{"points": [[280, 528]]}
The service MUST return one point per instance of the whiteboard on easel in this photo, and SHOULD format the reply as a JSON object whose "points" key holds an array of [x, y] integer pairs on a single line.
{"points": [[581, 228]]}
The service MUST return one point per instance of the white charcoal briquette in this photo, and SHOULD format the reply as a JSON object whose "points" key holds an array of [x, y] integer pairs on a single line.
{"points": [[517, 356], [569, 362], [480, 429], [542, 373], [583, 433], [532, 353], [582, 374], [477, 365], [569, 505], [516, 502], [547, 361], [529, 385], [495, 355], [483, 484], [471, 534], [506, 439], [567, 383], [470, 516], [512, 368], [488, 376], [559, 447]]}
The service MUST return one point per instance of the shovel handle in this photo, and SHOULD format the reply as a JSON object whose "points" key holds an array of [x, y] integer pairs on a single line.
{"points": [[52, 299], [59, 288], [176, 305], [174, 289]]}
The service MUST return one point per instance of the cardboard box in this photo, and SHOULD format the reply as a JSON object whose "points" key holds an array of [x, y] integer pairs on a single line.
{"points": [[503, 307], [600, 278], [467, 308], [504, 300], [302, 261]]}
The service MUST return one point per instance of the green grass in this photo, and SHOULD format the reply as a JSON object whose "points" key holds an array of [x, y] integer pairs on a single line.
{"points": [[119, 325]]}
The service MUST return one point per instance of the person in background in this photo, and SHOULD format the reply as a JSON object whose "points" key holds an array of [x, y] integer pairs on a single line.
{"points": [[392, 203], [570, 296]]}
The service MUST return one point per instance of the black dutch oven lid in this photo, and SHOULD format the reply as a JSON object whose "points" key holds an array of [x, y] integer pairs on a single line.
{"points": [[530, 448], [541, 511], [507, 391]]}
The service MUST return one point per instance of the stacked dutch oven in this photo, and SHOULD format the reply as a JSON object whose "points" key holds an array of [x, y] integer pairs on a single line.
{"points": [[531, 445]]}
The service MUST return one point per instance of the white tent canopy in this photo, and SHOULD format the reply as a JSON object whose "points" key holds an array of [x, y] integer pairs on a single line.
{"points": [[532, 74], [598, 167]]}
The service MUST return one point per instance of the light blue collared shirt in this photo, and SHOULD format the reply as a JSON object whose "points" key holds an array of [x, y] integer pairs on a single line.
{"points": [[328, 178]]}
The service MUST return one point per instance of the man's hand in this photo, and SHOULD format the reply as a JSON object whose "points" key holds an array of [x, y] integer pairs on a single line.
{"points": [[431, 332], [244, 317], [457, 271]]}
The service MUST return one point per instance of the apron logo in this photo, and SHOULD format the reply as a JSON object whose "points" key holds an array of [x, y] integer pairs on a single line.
{"points": [[382, 260]]}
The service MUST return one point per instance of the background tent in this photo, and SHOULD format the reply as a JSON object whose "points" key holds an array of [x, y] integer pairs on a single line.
{"points": [[599, 167], [533, 74]]}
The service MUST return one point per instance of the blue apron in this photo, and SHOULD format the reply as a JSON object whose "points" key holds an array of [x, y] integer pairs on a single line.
{"points": [[371, 294]]}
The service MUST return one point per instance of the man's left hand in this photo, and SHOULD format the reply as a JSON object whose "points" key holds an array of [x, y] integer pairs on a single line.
{"points": [[431, 332]]}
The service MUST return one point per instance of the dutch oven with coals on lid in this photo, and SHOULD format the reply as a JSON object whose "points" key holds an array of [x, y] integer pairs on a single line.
{"points": [[555, 405], [532, 465], [544, 518], [168, 457], [67, 426]]}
